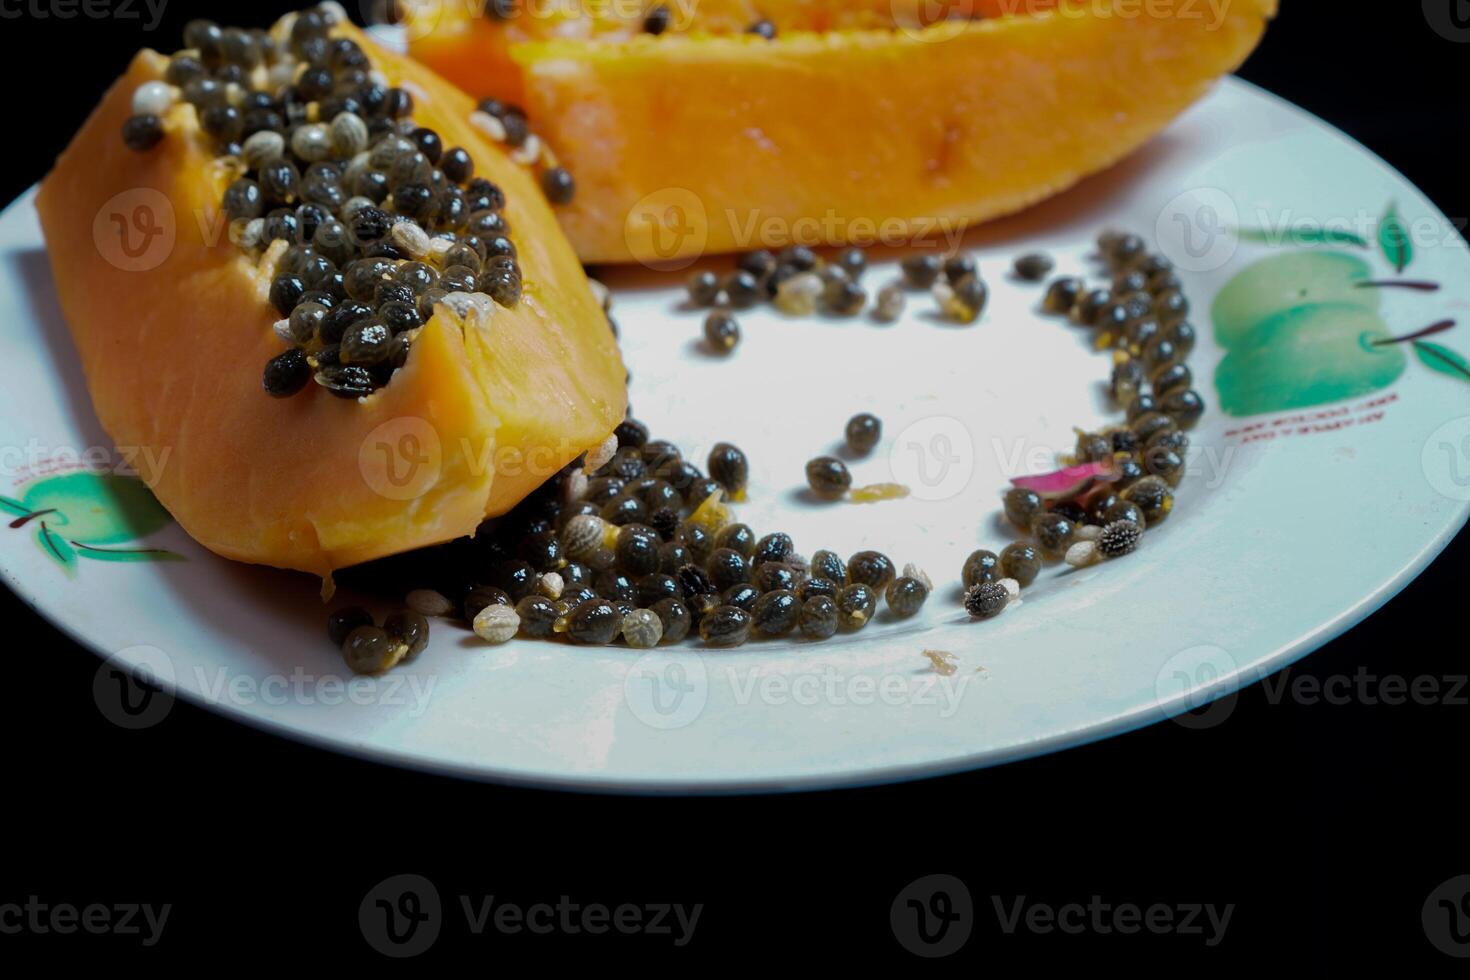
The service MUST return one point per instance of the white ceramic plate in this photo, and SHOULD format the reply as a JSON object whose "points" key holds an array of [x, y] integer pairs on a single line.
{"points": [[1344, 470]]}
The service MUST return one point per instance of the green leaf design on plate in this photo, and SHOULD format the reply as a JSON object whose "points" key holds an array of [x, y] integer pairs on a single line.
{"points": [[1393, 238], [98, 508], [127, 554], [56, 546], [1442, 359], [15, 507], [1301, 236]]}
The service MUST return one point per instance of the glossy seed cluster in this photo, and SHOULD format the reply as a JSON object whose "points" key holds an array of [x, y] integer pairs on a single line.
{"points": [[635, 544], [959, 291], [638, 545], [829, 478], [659, 19], [796, 281], [368, 218], [506, 123], [372, 649], [1139, 315]]}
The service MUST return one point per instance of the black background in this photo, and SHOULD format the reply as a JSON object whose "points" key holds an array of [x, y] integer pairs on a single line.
{"points": [[1326, 825]]}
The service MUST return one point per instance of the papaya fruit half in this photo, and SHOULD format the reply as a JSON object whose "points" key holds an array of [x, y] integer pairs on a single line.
{"points": [[171, 283], [846, 121]]}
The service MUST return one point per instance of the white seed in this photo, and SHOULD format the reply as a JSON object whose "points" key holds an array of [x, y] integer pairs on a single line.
{"points": [[262, 147], [411, 238], [154, 98], [283, 330], [349, 134], [378, 78], [915, 572], [1089, 532], [798, 295], [488, 125], [943, 294], [550, 585], [468, 306], [642, 629], [1082, 554], [246, 233], [603, 454], [333, 12], [427, 602], [497, 624], [281, 74], [438, 248], [1012, 587], [575, 487], [312, 142], [583, 536], [890, 303], [527, 152]]}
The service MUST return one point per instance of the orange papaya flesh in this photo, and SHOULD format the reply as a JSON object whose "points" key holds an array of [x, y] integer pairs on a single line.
{"points": [[474, 51], [847, 136], [484, 410]]}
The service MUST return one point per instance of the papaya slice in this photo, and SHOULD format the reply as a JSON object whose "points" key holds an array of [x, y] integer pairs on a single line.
{"points": [[856, 125], [473, 48], [173, 336]]}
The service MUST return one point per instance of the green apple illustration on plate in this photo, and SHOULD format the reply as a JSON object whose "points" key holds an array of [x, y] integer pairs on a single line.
{"points": [[87, 515], [1306, 327], [1300, 330]]}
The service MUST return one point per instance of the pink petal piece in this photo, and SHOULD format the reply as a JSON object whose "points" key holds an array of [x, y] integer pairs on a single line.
{"points": [[1067, 482]]}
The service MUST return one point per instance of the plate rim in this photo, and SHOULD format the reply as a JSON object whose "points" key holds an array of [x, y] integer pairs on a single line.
{"points": [[1282, 656]]}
